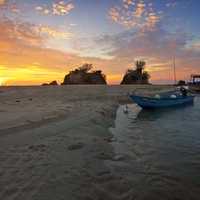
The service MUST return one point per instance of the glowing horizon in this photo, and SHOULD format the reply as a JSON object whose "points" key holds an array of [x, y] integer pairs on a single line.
{"points": [[42, 41]]}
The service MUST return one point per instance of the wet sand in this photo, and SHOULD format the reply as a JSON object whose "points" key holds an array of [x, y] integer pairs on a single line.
{"points": [[55, 143], [157, 151]]}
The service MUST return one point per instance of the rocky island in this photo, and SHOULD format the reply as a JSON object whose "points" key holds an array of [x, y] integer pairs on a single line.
{"points": [[136, 76], [85, 75], [51, 83]]}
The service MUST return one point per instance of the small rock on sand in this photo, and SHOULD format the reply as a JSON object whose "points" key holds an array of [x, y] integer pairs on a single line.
{"points": [[118, 157], [39, 147], [103, 172], [110, 139], [104, 156], [76, 146]]}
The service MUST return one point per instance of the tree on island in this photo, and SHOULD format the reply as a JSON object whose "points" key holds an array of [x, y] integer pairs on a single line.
{"points": [[137, 76], [84, 75], [181, 82]]}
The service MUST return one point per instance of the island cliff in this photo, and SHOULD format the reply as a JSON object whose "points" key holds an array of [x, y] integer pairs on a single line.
{"points": [[84, 75], [137, 76]]}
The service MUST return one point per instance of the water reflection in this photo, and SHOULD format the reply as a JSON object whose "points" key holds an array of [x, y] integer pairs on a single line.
{"points": [[153, 114]]}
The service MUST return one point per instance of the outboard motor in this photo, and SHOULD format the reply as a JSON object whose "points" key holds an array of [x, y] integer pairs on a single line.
{"points": [[183, 91]]}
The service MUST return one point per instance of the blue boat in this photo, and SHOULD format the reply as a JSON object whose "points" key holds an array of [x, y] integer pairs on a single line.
{"points": [[162, 101]]}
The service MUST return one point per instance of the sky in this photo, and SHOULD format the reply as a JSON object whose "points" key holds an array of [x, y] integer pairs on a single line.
{"points": [[42, 40]]}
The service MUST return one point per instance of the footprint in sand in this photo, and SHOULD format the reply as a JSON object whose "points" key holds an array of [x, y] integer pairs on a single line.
{"points": [[39, 147], [112, 189], [76, 146]]}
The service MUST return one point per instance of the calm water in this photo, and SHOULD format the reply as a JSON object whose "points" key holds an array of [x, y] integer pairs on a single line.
{"points": [[161, 150]]}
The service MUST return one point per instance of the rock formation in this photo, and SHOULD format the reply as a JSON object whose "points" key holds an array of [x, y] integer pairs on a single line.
{"points": [[84, 75], [137, 76], [51, 83]]}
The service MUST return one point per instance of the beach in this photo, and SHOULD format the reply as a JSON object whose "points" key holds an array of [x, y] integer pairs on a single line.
{"points": [[27, 106], [56, 143]]}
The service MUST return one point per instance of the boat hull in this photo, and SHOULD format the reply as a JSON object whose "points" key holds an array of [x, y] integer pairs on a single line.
{"points": [[148, 102], [195, 88]]}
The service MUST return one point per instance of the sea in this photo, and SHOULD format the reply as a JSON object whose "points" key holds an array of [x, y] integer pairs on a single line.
{"points": [[159, 150]]}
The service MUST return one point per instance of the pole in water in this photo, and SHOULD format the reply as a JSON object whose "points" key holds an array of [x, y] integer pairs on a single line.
{"points": [[174, 64], [126, 109]]}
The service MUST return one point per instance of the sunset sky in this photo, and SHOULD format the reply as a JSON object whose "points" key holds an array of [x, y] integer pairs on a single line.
{"points": [[42, 40]]}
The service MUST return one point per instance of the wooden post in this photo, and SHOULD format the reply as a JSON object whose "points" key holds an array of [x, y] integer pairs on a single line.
{"points": [[174, 63]]}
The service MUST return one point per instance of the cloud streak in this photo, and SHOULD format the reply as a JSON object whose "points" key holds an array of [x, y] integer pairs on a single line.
{"points": [[55, 33]]}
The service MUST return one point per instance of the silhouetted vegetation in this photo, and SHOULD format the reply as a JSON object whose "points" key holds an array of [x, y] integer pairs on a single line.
{"points": [[51, 83], [137, 76], [85, 75]]}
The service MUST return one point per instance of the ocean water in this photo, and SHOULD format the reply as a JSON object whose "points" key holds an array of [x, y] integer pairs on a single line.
{"points": [[161, 151]]}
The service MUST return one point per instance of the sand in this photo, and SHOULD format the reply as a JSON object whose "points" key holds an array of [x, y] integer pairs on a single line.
{"points": [[55, 142]]}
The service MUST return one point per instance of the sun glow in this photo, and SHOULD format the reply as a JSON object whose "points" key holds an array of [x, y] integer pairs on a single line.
{"points": [[31, 75], [2, 81]]}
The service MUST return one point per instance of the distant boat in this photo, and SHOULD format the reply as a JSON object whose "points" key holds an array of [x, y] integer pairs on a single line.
{"points": [[162, 101], [194, 84]]}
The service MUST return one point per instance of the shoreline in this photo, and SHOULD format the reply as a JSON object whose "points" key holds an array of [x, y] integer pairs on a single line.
{"points": [[62, 157], [22, 106]]}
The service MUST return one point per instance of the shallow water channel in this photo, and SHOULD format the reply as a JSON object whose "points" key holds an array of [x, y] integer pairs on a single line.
{"points": [[160, 150]]}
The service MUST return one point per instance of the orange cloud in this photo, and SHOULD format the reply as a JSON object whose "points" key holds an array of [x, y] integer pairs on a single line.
{"points": [[135, 14], [139, 10], [62, 8], [42, 10], [2, 2], [18, 32], [24, 59], [9, 7], [58, 8]]}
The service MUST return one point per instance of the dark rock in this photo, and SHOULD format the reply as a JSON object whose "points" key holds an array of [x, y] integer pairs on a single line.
{"points": [[137, 76], [102, 172], [118, 157], [75, 146], [104, 156], [40, 147], [51, 83], [83, 75], [110, 139], [45, 84]]}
